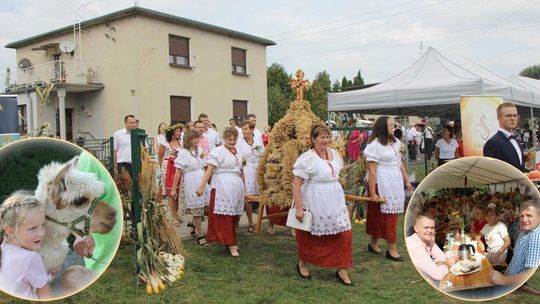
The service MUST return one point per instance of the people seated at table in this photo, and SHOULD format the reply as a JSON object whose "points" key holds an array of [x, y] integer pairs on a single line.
{"points": [[527, 250], [496, 237], [479, 220], [507, 214], [466, 209], [428, 258]]}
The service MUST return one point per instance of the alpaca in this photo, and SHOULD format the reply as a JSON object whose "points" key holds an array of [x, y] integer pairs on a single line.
{"points": [[67, 194]]}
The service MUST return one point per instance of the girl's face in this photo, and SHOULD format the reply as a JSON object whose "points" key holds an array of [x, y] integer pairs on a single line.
{"points": [[390, 124], [491, 218], [177, 133], [230, 142], [194, 143], [30, 233], [478, 214], [446, 133], [246, 131], [322, 141], [162, 128]]}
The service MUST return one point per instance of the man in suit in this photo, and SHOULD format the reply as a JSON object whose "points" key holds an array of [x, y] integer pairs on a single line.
{"points": [[503, 145]]}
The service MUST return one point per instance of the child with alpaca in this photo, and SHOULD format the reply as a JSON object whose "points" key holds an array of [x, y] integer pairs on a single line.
{"points": [[22, 230]]}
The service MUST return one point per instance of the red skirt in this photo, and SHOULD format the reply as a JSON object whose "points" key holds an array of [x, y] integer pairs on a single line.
{"points": [[277, 209], [329, 251], [221, 228], [169, 176], [381, 225]]}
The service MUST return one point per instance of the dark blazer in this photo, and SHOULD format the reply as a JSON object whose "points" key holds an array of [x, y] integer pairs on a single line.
{"points": [[500, 147]]}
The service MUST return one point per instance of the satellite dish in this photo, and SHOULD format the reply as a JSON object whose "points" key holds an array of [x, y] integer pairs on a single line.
{"points": [[67, 46], [25, 63]]}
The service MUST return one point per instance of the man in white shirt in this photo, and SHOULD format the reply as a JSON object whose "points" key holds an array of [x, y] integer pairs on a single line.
{"points": [[257, 134], [122, 144], [428, 139], [233, 123], [214, 140], [411, 142]]}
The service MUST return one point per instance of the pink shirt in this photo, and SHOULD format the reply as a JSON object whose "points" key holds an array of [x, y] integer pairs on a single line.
{"points": [[204, 144], [425, 257], [22, 272]]}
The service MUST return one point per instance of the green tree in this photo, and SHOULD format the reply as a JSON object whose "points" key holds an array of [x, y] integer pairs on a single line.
{"points": [[532, 72], [336, 86], [280, 94], [358, 80], [344, 83], [317, 94]]}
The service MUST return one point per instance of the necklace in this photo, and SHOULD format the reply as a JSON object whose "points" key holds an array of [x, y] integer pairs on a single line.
{"points": [[233, 152], [196, 154], [250, 143], [325, 157]]}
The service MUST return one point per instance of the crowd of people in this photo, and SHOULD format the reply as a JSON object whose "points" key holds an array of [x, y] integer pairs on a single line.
{"points": [[497, 223], [201, 169]]}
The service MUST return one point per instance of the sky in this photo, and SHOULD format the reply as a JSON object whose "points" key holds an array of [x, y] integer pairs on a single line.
{"points": [[341, 37]]}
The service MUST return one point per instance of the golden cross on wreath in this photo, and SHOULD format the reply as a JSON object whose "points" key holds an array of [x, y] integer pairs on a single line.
{"points": [[299, 85]]}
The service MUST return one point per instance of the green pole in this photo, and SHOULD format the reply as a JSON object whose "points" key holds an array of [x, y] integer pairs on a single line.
{"points": [[138, 137]]}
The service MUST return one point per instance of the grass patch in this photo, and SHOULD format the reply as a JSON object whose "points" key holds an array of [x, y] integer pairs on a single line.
{"points": [[265, 273]]}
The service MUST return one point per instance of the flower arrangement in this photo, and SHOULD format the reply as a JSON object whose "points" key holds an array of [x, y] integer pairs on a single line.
{"points": [[290, 137]]}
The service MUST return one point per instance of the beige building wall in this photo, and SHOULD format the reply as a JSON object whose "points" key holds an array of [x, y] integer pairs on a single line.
{"points": [[138, 79]]}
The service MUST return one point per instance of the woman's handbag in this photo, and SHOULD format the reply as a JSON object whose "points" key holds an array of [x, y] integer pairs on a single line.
{"points": [[294, 223]]}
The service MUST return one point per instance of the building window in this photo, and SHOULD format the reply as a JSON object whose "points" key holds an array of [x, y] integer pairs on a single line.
{"points": [[180, 109], [240, 109], [238, 61], [22, 118], [178, 50]]}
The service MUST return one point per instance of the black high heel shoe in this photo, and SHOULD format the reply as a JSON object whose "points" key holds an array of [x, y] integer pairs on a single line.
{"points": [[308, 277], [192, 227], [370, 249], [339, 279], [395, 259]]}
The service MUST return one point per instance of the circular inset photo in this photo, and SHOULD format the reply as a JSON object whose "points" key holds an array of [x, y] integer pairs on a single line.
{"points": [[472, 228], [60, 219]]}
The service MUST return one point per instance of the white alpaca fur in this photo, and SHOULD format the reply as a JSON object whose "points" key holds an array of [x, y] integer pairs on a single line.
{"points": [[59, 186]]}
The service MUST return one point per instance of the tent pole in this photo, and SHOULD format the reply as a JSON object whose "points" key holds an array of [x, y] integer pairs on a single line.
{"points": [[533, 139]]}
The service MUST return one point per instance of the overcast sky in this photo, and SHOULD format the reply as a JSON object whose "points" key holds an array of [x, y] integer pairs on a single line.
{"points": [[381, 38]]}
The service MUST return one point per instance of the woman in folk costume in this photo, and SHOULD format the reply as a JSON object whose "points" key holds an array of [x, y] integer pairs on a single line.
{"points": [[252, 152], [228, 192], [387, 177], [189, 168], [169, 152], [316, 187]]}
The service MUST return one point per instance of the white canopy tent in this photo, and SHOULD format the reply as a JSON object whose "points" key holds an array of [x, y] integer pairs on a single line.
{"points": [[473, 172], [432, 86], [528, 83]]}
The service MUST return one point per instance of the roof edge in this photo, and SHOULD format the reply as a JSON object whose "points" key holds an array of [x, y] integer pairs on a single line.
{"points": [[134, 10]]}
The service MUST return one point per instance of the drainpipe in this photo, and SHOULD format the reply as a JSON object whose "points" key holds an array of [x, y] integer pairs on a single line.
{"points": [[62, 111]]}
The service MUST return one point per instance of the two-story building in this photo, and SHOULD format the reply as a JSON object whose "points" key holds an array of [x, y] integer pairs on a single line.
{"points": [[156, 66]]}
